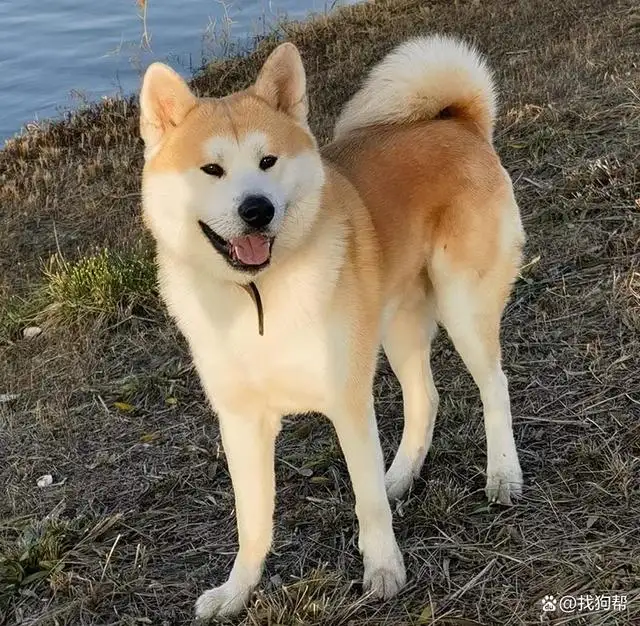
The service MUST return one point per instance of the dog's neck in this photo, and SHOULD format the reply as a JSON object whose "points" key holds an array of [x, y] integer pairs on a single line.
{"points": [[331, 265]]}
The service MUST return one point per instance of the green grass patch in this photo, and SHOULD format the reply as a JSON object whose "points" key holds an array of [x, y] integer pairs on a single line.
{"points": [[109, 284], [36, 551]]}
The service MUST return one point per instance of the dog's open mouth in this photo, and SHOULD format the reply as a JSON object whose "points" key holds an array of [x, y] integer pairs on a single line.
{"points": [[251, 252]]}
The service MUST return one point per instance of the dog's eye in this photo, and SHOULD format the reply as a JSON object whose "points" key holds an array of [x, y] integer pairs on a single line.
{"points": [[268, 162], [213, 169]]}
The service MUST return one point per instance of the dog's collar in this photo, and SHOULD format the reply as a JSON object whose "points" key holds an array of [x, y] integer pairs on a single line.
{"points": [[252, 290]]}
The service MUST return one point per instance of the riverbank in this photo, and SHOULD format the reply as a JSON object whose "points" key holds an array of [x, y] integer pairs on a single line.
{"points": [[140, 518]]}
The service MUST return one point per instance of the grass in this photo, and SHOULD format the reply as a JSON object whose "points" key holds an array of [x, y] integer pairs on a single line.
{"points": [[37, 552], [114, 411], [110, 283], [105, 286]]}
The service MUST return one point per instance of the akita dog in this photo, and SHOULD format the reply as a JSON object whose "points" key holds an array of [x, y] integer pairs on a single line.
{"points": [[286, 267]]}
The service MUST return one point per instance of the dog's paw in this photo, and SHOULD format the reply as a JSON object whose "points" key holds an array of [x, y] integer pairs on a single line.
{"points": [[223, 601], [504, 483], [397, 482], [384, 580], [400, 476]]}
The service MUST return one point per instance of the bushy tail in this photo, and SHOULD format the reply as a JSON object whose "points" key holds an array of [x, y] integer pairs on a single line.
{"points": [[419, 80]]}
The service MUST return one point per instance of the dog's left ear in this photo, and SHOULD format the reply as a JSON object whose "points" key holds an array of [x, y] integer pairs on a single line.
{"points": [[282, 82]]}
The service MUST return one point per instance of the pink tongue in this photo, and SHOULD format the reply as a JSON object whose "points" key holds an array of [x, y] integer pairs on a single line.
{"points": [[251, 249]]}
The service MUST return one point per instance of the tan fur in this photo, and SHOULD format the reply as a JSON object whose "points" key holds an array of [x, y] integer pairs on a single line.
{"points": [[395, 227], [233, 116], [453, 200], [421, 79]]}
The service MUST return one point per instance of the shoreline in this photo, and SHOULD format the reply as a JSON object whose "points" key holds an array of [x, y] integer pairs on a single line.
{"points": [[109, 60]]}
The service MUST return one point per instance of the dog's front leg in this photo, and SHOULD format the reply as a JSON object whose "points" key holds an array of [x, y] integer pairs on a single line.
{"points": [[249, 444], [355, 424]]}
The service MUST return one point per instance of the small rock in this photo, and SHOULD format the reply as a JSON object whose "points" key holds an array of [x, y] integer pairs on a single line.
{"points": [[8, 397], [45, 481], [276, 580], [31, 332]]}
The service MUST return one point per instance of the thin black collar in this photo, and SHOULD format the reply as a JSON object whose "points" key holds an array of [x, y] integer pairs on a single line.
{"points": [[252, 290]]}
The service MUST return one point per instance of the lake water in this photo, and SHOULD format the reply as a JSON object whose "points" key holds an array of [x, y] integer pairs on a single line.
{"points": [[57, 53]]}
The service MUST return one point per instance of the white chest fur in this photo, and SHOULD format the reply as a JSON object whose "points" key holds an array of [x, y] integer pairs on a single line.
{"points": [[289, 369]]}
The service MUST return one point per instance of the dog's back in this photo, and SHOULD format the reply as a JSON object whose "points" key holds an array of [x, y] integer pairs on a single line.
{"points": [[415, 141]]}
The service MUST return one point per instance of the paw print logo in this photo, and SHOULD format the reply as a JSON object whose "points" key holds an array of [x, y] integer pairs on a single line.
{"points": [[549, 604]]}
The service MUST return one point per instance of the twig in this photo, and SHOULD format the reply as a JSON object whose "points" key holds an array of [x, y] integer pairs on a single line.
{"points": [[476, 579], [113, 547]]}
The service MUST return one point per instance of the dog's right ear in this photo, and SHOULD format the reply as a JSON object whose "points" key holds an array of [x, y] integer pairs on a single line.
{"points": [[165, 100]]}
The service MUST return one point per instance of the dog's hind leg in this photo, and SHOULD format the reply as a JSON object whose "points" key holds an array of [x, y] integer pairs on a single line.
{"points": [[407, 344], [249, 444], [470, 306]]}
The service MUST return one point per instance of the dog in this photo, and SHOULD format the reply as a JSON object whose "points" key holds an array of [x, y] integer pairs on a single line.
{"points": [[286, 267]]}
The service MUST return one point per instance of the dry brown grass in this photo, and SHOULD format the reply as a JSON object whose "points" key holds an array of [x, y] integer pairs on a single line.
{"points": [[143, 520]]}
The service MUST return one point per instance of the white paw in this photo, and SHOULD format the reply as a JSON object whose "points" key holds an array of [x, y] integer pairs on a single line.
{"points": [[401, 474], [397, 482], [225, 600], [384, 579], [504, 482]]}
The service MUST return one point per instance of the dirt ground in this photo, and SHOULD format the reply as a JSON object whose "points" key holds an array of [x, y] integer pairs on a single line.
{"points": [[140, 517]]}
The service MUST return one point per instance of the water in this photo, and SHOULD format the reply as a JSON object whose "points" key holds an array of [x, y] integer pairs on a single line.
{"points": [[57, 53]]}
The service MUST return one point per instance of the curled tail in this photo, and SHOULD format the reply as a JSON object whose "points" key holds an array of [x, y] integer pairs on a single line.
{"points": [[419, 80]]}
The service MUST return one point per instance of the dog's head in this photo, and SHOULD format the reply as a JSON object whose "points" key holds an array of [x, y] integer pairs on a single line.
{"points": [[230, 184]]}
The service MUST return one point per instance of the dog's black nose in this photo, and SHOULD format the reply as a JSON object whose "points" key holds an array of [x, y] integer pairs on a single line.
{"points": [[256, 211]]}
